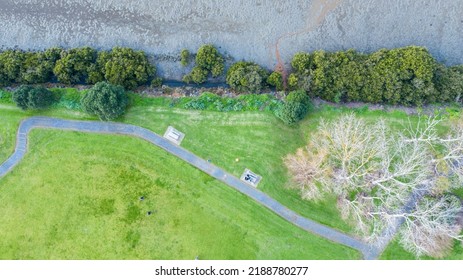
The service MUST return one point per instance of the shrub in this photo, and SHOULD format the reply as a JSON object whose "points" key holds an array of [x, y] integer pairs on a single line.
{"points": [[303, 67], [156, 82], [398, 76], [276, 80], [402, 76], [96, 72], [105, 100], [21, 95], [28, 97], [337, 76], [185, 57], [295, 107], [208, 61], [302, 63], [40, 98], [75, 65], [37, 67], [449, 83], [197, 75], [293, 81], [246, 77], [125, 67], [209, 58], [10, 66]]}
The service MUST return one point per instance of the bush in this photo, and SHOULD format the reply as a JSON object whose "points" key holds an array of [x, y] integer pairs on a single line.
{"points": [[96, 71], [185, 57], [37, 67], [246, 77], [125, 67], [10, 66], [209, 58], [402, 76], [276, 80], [337, 76], [208, 61], [449, 83], [295, 107], [399, 76], [302, 63], [28, 97], [21, 95], [106, 101], [40, 98], [156, 82], [197, 75], [75, 65]]}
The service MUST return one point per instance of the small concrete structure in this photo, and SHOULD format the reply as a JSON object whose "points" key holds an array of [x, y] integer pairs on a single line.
{"points": [[174, 135], [250, 177]]}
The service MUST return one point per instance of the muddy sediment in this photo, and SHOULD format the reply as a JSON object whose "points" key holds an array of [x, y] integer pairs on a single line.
{"points": [[258, 30]]}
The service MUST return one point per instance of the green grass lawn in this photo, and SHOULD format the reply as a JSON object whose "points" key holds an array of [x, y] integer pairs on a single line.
{"points": [[76, 196], [395, 252], [257, 139]]}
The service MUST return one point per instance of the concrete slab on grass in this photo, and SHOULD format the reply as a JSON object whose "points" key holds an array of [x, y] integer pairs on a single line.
{"points": [[174, 135], [250, 177]]}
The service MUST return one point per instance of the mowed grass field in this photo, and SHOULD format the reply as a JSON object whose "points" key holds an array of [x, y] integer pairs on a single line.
{"points": [[257, 139], [77, 196]]}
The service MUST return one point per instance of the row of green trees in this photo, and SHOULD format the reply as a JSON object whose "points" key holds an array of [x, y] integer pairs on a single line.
{"points": [[242, 76], [407, 76], [120, 66], [105, 100]]}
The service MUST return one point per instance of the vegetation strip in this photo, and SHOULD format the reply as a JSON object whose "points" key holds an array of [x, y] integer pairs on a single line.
{"points": [[27, 125]]}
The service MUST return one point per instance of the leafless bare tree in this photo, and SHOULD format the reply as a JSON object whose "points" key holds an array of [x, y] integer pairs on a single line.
{"points": [[432, 228], [374, 171]]}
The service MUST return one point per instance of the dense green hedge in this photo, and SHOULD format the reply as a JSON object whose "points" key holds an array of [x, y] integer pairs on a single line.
{"points": [[407, 76], [120, 66]]}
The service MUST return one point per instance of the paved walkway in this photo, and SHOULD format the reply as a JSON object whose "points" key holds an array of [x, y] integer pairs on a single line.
{"points": [[368, 251]]}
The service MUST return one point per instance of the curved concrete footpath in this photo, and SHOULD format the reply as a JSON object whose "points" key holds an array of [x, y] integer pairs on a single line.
{"points": [[368, 251]]}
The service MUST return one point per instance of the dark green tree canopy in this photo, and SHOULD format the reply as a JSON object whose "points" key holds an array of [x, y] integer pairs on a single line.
{"points": [[37, 67], [21, 95], [184, 57], [208, 61], [246, 77], [125, 67], [75, 65], [105, 100], [398, 76], [295, 107], [209, 58], [10, 66], [40, 98], [29, 97], [276, 80]]}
